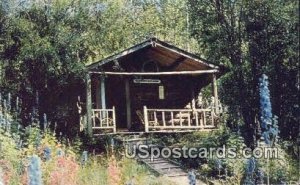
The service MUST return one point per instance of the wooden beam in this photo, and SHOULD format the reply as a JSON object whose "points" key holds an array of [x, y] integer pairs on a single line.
{"points": [[215, 91], [114, 120], [164, 118], [182, 110], [172, 118], [168, 130], [146, 119], [89, 105], [157, 73], [103, 98], [128, 103], [182, 127], [102, 128], [155, 118]]}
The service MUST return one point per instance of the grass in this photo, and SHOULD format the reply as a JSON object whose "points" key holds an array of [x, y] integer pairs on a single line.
{"points": [[99, 171]]}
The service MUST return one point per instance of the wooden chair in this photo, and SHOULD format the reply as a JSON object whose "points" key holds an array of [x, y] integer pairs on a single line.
{"points": [[141, 117]]}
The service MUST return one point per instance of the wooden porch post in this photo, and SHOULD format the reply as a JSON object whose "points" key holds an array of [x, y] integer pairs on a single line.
{"points": [[114, 119], [193, 103], [193, 106], [128, 103], [146, 119], [98, 94], [89, 105], [102, 85], [215, 93]]}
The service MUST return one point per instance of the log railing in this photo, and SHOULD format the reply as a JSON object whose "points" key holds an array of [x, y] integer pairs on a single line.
{"points": [[163, 119], [104, 119]]}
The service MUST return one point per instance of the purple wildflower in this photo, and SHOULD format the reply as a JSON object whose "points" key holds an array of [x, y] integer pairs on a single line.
{"points": [[265, 103], [34, 171]]}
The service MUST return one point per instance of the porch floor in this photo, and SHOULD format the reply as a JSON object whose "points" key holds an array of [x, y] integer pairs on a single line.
{"points": [[125, 131]]}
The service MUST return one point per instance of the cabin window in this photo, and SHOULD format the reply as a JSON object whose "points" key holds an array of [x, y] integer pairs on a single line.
{"points": [[150, 66], [161, 92]]}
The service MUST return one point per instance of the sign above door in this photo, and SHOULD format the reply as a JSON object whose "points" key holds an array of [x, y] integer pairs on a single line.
{"points": [[146, 81]]}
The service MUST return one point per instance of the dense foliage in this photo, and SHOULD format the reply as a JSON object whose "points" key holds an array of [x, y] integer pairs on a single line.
{"points": [[45, 45], [251, 39]]}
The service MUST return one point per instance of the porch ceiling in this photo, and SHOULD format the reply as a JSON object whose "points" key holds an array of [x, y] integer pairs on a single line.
{"points": [[167, 58]]}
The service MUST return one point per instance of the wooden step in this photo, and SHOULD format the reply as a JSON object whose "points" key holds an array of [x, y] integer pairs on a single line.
{"points": [[155, 161], [165, 166], [172, 171], [177, 175]]}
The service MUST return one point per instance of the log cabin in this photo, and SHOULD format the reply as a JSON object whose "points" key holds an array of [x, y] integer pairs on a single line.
{"points": [[151, 87]]}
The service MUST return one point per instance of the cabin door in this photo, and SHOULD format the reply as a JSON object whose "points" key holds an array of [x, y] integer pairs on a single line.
{"points": [[116, 97]]}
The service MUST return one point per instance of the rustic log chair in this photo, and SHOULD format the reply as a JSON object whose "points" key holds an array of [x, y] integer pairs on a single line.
{"points": [[141, 117], [104, 122]]}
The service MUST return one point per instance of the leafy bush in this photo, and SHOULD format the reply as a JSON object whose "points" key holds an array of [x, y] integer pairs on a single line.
{"points": [[9, 157]]}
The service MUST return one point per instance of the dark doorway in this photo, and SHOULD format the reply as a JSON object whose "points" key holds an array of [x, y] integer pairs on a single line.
{"points": [[116, 97]]}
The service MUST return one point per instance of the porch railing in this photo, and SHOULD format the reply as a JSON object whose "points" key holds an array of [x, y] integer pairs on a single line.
{"points": [[104, 119], [162, 119]]}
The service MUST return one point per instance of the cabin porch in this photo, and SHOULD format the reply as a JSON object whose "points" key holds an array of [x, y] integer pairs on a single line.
{"points": [[156, 104], [151, 87], [157, 120]]}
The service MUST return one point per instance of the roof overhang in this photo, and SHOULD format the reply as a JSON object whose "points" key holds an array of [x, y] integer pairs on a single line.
{"points": [[166, 53]]}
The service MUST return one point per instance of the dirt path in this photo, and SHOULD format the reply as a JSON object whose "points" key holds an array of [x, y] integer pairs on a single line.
{"points": [[165, 167], [169, 169]]}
